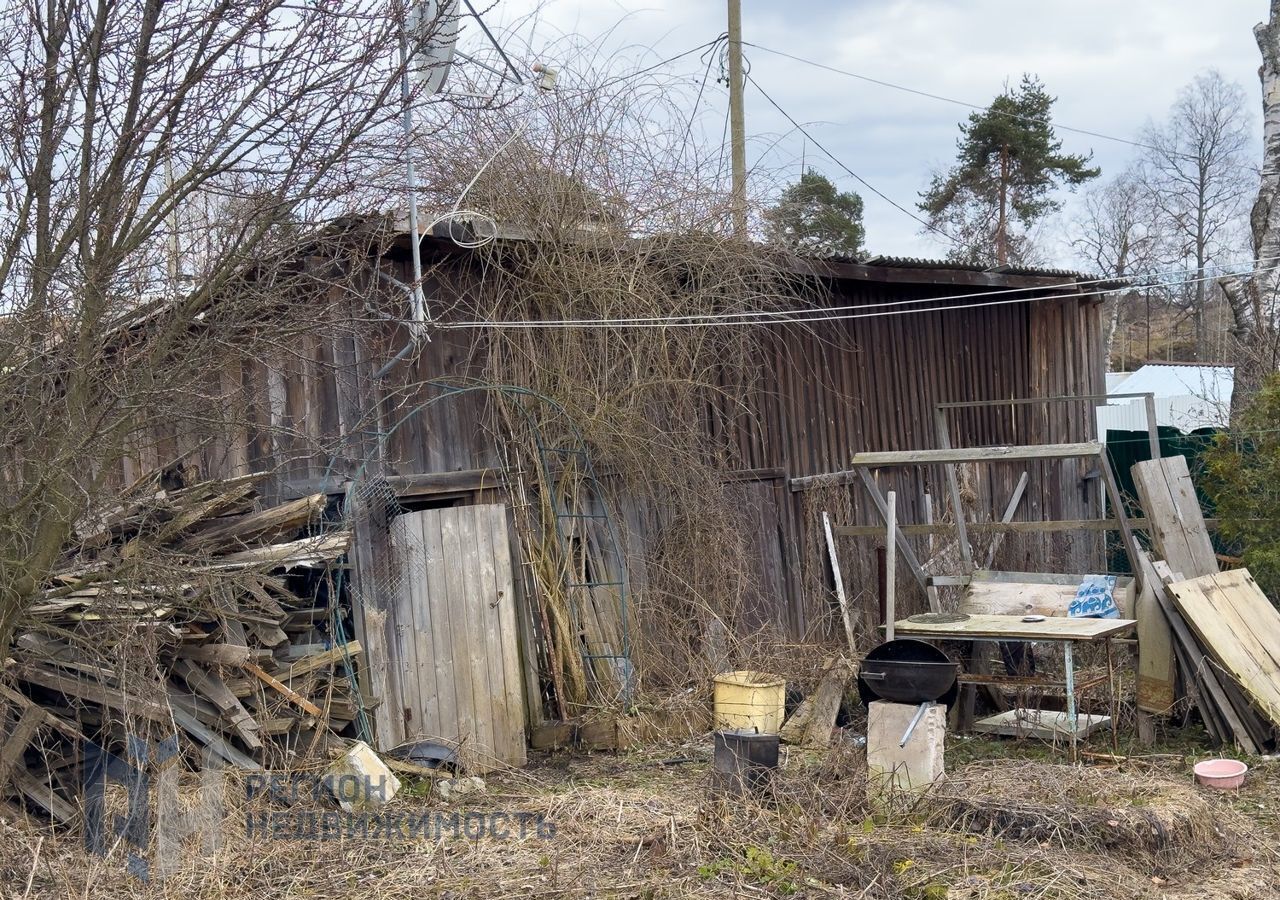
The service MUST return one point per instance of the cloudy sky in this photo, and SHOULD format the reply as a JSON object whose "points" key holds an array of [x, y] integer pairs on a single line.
{"points": [[1112, 65]]}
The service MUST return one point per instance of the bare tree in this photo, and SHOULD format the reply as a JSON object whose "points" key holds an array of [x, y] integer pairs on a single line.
{"points": [[1253, 299], [1116, 235], [163, 167], [1196, 176]]}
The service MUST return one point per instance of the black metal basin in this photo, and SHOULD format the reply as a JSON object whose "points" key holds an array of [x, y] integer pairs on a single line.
{"points": [[907, 671]]}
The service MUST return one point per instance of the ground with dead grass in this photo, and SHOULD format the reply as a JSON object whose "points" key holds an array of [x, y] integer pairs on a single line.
{"points": [[1013, 821]]}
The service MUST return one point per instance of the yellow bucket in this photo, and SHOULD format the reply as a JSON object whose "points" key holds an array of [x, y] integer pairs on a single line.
{"points": [[749, 701]]}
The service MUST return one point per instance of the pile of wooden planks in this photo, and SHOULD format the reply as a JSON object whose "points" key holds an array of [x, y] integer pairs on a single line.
{"points": [[181, 607], [1211, 637]]}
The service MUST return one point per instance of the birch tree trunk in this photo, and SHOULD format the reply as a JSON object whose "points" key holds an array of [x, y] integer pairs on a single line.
{"points": [[1253, 299]]}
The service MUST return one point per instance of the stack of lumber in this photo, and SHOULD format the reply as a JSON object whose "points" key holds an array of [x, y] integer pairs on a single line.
{"points": [[180, 607], [1216, 630]]}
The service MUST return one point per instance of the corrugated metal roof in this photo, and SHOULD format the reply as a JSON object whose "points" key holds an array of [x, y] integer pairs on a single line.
{"points": [[914, 262], [911, 262], [1179, 380], [1115, 379], [1187, 397]]}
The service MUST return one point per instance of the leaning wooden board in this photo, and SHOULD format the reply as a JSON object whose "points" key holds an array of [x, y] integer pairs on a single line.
{"points": [[1177, 525], [1056, 628], [1240, 628]]}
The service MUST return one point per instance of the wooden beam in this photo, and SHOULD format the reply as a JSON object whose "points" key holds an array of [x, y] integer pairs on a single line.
{"points": [[94, 692], [1009, 511], [829, 479], [840, 596], [309, 551], [1131, 548], [1141, 524], [16, 741], [43, 795], [953, 490], [976, 454], [254, 527], [22, 701], [907, 553], [1153, 430], [418, 484], [292, 695], [321, 660], [1031, 401], [187, 721], [1001, 628], [215, 690]]}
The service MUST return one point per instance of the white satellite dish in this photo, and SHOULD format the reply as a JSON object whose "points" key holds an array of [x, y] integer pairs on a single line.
{"points": [[434, 26]]}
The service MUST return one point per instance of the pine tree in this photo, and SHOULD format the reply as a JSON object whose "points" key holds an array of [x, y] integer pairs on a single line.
{"points": [[1003, 180], [811, 216]]}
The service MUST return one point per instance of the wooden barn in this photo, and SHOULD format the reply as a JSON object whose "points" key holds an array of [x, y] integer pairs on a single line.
{"points": [[442, 573]]}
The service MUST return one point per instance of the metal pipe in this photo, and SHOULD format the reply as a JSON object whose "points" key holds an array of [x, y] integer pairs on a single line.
{"points": [[915, 720], [407, 348], [515, 73], [419, 301], [484, 65]]}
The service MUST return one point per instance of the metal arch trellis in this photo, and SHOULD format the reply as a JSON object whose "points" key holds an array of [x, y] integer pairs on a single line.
{"points": [[545, 452]]}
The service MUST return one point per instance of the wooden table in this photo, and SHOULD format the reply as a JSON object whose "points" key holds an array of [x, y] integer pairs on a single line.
{"points": [[1061, 629]]}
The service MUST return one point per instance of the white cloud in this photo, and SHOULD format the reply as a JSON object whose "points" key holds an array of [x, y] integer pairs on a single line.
{"points": [[1112, 65]]}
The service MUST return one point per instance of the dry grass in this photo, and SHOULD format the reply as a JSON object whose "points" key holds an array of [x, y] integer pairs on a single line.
{"points": [[646, 825]]}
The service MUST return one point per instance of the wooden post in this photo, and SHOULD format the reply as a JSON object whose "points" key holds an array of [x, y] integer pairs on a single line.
{"points": [[890, 562], [1153, 430], [737, 122], [840, 597], [928, 519], [880, 585]]}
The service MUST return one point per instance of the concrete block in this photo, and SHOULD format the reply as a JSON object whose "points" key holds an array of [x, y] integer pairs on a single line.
{"points": [[361, 781], [916, 766]]}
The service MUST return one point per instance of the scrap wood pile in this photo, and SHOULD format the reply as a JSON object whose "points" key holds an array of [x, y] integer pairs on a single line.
{"points": [[1211, 637], [182, 607]]}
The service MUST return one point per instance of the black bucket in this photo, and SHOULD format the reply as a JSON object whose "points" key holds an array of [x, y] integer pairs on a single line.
{"points": [[744, 761]]}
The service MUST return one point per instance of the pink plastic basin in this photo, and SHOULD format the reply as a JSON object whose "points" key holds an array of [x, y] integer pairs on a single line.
{"points": [[1223, 774]]}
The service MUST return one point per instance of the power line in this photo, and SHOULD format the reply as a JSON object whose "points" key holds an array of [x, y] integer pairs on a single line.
{"points": [[627, 76], [1142, 279], [987, 108], [711, 58], [852, 174], [798, 316]]}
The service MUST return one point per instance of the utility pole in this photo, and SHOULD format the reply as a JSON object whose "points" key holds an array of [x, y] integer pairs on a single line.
{"points": [[737, 122]]}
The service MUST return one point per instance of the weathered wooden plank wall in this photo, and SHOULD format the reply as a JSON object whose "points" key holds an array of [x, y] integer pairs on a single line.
{"points": [[825, 392], [873, 383]]}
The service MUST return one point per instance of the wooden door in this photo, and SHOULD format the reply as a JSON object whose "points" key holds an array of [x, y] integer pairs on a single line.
{"points": [[454, 641]]}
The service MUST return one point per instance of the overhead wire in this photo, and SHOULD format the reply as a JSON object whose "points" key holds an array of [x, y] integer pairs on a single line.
{"points": [[802, 316], [1148, 278], [702, 87], [976, 106], [852, 174], [627, 76]]}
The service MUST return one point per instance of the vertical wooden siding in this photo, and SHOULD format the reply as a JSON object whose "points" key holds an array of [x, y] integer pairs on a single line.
{"points": [[826, 392]]}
